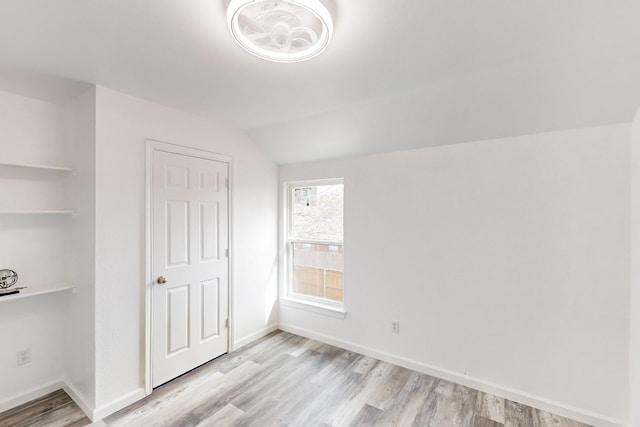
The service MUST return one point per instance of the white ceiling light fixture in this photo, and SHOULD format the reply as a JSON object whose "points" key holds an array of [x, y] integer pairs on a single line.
{"points": [[280, 31]]}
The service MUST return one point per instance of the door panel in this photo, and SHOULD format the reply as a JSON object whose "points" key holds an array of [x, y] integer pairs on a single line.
{"points": [[177, 233], [178, 319], [190, 227], [177, 177], [210, 305], [209, 231]]}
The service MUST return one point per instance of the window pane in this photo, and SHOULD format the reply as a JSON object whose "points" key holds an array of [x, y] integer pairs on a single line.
{"points": [[318, 212], [318, 270]]}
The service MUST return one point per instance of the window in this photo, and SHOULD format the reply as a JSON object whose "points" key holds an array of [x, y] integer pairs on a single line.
{"points": [[315, 247]]}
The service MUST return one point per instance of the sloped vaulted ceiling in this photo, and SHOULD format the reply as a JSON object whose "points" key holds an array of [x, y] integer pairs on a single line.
{"points": [[397, 75]]}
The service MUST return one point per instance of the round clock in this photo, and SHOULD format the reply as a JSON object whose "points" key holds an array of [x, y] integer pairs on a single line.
{"points": [[8, 278]]}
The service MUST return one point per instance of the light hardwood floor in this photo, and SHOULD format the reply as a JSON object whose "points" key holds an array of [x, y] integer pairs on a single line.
{"points": [[54, 409], [287, 380]]}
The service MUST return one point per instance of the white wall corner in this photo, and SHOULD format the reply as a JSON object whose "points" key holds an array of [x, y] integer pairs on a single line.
{"points": [[79, 398], [117, 404], [239, 343], [634, 279]]}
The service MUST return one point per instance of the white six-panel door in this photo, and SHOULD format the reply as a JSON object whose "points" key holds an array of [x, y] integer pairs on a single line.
{"points": [[189, 263]]}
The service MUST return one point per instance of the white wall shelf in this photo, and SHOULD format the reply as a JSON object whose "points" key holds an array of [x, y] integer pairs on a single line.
{"points": [[28, 292], [38, 212], [38, 167], [45, 168]]}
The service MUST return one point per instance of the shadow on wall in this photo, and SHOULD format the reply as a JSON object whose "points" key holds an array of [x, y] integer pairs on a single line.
{"points": [[271, 295]]}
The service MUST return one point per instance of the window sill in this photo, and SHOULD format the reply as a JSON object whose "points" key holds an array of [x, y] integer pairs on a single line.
{"points": [[314, 307]]}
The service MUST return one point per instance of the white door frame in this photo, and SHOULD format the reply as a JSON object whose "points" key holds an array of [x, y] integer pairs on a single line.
{"points": [[152, 146]]}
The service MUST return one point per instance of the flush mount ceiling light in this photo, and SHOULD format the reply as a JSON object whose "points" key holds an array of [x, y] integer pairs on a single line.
{"points": [[281, 31]]}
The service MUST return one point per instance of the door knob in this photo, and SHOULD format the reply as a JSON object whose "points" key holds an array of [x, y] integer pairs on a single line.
{"points": [[161, 280]]}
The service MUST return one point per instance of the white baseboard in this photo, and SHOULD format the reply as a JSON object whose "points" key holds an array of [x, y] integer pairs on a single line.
{"points": [[117, 404], [252, 337], [30, 394], [80, 399], [542, 403], [534, 401]]}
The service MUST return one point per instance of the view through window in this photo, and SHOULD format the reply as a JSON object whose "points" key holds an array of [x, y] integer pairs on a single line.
{"points": [[316, 247]]}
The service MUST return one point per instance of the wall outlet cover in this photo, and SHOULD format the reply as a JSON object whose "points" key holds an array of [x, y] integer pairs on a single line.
{"points": [[24, 356], [395, 326]]}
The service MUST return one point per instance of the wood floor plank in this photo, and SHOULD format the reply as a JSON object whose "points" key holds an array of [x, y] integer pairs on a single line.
{"points": [[226, 416], [271, 383], [173, 389], [363, 364], [304, 346], [546, 419], [210, 399], [453, 405], [298, 377], [435, 410], [367, 416], [517, 415], [461, 408], [287, 409], [334, 387], [284, 347], [490, 407], [80, 423], [180, 406], [480, 421], [35, 408], [410, 400], [54, 409], [65, 415], [336, 384], [287, 380], [334, 371], [230, 361], [242, 393], [161, 403], [275, 401], [346, 412], [386, 392]]}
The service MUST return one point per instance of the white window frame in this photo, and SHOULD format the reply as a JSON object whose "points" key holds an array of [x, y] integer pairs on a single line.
{"points": [[307, 302]]}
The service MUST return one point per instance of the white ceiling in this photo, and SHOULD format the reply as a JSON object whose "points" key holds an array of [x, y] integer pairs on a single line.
{"points": [[398, 74]]}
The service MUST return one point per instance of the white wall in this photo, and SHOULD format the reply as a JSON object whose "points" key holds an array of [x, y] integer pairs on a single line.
{"points": [[34, 323], [31, 130], [123, 124], [505, 261], [79, 334], [634, 357], [32, 246]]}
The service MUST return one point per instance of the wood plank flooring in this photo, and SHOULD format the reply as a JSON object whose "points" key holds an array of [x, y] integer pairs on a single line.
{"points": [[287, 380], [54, 409]]}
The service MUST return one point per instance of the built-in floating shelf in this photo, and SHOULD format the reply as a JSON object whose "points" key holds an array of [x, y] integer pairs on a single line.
{"points": [[59, 212], [28, 292], [37, 167], [45, 168]]}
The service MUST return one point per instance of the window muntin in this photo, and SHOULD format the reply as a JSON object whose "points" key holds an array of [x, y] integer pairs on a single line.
{"points": [[315, 241]]}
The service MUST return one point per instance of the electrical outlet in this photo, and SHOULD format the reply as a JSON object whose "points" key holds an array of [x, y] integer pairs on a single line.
{"points": [[24, 356], [395, 326]]}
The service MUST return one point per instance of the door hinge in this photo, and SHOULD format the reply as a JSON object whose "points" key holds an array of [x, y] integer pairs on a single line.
{"points": [[226, 252], [226, 182], [226, 323]]}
